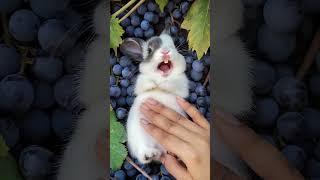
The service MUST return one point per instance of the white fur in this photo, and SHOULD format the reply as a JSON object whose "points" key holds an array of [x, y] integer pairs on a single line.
{"points": [[150, 83], [80, 160], [232, 81]]}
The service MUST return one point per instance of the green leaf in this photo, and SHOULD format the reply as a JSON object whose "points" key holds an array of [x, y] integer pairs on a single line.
{"points": [[9, 169], [116, 31], [197, 22], [162, 4], [118, 151], [3, 148]]}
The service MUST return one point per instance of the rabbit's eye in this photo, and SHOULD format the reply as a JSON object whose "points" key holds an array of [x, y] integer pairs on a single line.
{"points": [[149, 50]]}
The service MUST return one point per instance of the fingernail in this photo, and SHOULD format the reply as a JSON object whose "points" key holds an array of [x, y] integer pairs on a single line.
{"points": [[152, 101], [144, 121]]}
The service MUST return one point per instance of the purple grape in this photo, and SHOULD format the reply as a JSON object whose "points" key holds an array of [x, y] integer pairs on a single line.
{"points": [[170, 6], [193, 97], [264, 77], [135, 20], [314, 85], [130, 90], [43, 95], [112, 80], [47, 68], [174, 30], [201, 90], [196, 76], [149, 16], [311, 123], [201, 101], [10, 60], [152, 6], [129, 100], [115, 91], [295, 155], [7, 6], [176, 14], [142, 9], [149, 33], [121, 101], [312, 168], [126, 72], [121, 113], [290, 126], [126, 22], [145, 25], [9, 131], [138, 32], [64, 92], [130, 30], [198, 66], [49, 8], [267, 111], [124, 82], [184, 7], [120, 175], [117, 69]]}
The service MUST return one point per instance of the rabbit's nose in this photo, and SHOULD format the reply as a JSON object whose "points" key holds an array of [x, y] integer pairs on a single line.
{"points": [[165, 52]]}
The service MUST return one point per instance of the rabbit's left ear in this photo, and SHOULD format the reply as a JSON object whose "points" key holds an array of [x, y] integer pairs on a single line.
{"points": [[132, 47]]}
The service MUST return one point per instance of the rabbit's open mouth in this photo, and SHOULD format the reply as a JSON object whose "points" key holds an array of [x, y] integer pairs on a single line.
{"points": [[165, 67]]}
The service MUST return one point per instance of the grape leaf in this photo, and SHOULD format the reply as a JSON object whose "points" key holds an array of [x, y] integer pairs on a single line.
{"points": [[116, 31], [3, 148], [118, 151], [197, 22], [162, 4], [9, 169]]}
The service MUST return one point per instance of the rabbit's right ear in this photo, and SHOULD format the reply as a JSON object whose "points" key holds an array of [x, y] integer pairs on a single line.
{"points": [[133, 47]]}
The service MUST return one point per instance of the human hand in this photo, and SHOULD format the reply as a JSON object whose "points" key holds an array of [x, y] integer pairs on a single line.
{"points": [[188, 140]]}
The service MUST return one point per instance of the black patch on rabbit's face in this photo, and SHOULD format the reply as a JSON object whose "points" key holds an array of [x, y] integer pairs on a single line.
{"points": [[153, 44]]}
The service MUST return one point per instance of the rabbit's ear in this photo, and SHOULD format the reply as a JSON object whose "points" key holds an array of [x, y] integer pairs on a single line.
{"points": [[133, 47]]}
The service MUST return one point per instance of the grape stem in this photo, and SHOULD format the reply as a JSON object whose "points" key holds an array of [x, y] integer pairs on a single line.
{"points": [[207, 79], [123, 8], [310, 56], [138, 168], [131, 10]]}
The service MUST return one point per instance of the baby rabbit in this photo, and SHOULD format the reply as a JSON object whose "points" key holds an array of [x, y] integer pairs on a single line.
{"points": [[162, 77]]}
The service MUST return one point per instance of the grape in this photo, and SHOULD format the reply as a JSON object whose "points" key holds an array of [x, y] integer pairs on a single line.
{"points": [[9, 131], [120, 175], [289, 126], [163, 170], [43, 95], [127, 165], [115, 91], [126, 22], [123, 91], [201, 101], [132, 172], [49, 8], [64, 92], [121, 113], [176, 14], [193, 97], [7, 6], [311, 123], [198, 66], [124, 82], [135, 20], [35, 127], [149, 33], [189, 59], [10, 60], [113, 60], [264, 77], [295, 155], [35, 162], [184, 7], [141, 177], [130, 30], [311, 6], [47, 68], [16, 94], [196, 76], [61, 123], [155, 19], [170, 6], [312, 168], [284, 71], [121, 101], [206, 59], [126, 72], [277, 46], [145, 25], [314, 85], [202, 110], [112, 80], [51, 34], [174, 30], [138, 32], [282, 15], [152, 6], [130, 90], [117, 69], [129, 100], [290, 93], [165, 178], [125, 61], [201, 90], [142, 9], [149, 16], [267, 112], [24, 25], [155, 177], [72, 19], [317, 151], [113, 102]]}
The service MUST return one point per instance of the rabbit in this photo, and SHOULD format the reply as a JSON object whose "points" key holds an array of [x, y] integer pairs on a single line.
{"points": [[161, 77]]}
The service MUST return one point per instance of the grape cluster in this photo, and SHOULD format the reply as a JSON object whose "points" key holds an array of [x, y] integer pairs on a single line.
{"points": [[145, 22], [287, 108], [40, 51]]}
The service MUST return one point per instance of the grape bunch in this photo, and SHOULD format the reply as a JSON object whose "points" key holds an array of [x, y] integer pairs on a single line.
{"points": [[145, 22], [287, 106], [40, 50]]}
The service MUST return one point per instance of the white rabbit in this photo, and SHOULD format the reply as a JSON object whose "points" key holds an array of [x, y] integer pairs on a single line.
{"points": [[162, 77]]}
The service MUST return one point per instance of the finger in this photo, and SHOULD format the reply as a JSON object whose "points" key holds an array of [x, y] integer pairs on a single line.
{"points": [[169, 142], [196, 116], [262, 157], [175, 168], [173, 115], [167, 125]]}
